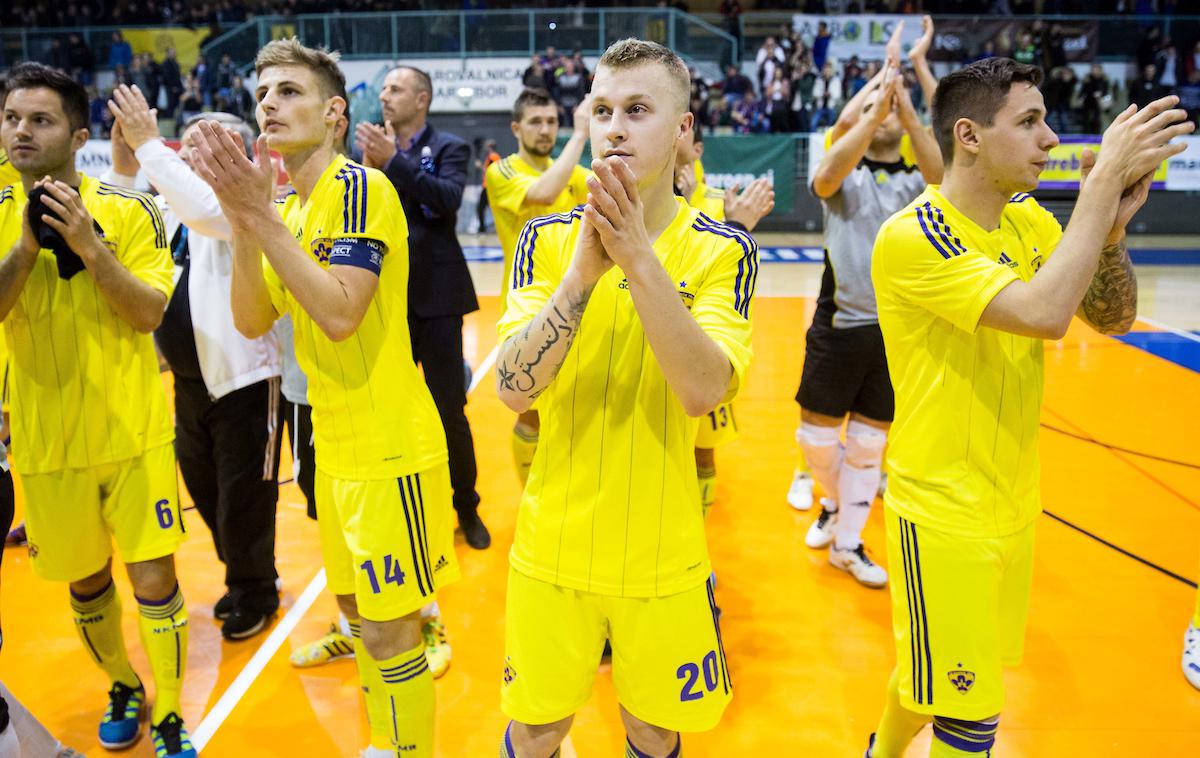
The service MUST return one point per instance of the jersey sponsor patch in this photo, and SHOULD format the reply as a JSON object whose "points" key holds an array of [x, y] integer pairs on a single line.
{"points": [[357, 252]]}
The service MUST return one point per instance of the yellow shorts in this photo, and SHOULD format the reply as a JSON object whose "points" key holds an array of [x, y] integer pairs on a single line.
{"points": [[717, 428], [668, 663], [388, 542], [959, 607], [73, 516]]}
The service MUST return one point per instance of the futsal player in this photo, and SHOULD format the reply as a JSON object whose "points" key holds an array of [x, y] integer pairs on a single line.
{"points": [[526, 184], [87, 405], [627, 319], [861, 180], [741, 209], [970, 278], [334, 256]]}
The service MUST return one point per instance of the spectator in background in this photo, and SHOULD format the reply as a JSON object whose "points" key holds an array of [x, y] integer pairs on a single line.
{"points": [[1097, 97], [79, 62], [827, 97], [172, 79], [1167, 63], [731, 13], [121, 76], [778, 97], [238, 100], [735, 85], [225, 72], [769, 59], [1054, 53], [1026, 51], [1059, 90], [99, 119], [1192, 62], [1189, 95], [1148, 48], [119, 52], [803, 82], [191, 103], [820, 48], [571, 89], [535, 76], [1146, 88], [748, 115]]}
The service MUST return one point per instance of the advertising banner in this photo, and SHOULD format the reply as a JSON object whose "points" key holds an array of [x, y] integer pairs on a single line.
{"points": [[864, 35], [460, 85], [1066, 160], [961, 39], [1183, 171]]}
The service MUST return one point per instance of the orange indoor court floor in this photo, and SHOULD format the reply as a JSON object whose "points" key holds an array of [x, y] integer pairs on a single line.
{"points": [[809, 649]]}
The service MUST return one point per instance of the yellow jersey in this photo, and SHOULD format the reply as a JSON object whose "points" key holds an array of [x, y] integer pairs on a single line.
{"points": [[373, 416], [507, 182], [83, 384], [709, 201], [963, 450], [612, 505], [8, 174]]}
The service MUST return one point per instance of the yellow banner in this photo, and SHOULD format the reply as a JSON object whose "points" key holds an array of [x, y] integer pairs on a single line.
{"points": [[1066, 160], [156, 41]]}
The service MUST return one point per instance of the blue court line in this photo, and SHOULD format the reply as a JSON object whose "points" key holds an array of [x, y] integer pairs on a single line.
{"points": [[1142, 256], [1172, 347]]}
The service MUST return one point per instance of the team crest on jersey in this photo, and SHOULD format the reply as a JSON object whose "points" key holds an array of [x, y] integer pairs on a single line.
{"points": [[510, 673], [962, 680], [688, 298], [1037, 260], [320, 249]]}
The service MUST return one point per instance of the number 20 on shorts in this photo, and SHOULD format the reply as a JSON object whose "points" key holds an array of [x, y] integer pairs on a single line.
{"points": [[689, 674]]}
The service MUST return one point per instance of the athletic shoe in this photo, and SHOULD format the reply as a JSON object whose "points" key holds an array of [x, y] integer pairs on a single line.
{"points": [[1191, 655], [16, 538], [800, 494], [244, 623], [223, 607], [122, 722], [859, 564], [474, 530], [820, 534], [171, 738], [329, 648], [437, 646], [67, 752]]}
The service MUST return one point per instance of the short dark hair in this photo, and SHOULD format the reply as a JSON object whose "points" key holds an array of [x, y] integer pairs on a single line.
{"points": [[40, 76], [976, 91], [534, 97], [424, 83]]}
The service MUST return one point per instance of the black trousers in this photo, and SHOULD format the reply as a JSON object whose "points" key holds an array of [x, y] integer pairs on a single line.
{"points": [[437, 347], [228, 451], [298, 418]]}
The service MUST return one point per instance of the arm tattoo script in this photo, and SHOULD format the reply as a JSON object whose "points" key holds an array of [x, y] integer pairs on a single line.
{"points": [[1110, 304], [539, 339]]}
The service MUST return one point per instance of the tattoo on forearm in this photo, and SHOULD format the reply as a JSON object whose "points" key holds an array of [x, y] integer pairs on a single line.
{"points": [[537, 340], [1110, 304]]}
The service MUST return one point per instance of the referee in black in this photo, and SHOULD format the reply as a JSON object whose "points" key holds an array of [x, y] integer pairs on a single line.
{"points": [[429, 170]]}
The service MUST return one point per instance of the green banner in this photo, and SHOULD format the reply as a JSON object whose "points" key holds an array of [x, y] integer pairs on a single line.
{"points": [[740, 159]]}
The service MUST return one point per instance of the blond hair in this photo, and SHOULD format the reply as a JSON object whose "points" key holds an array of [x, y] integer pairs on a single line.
{"points": [[632, 53], [291, 52]]}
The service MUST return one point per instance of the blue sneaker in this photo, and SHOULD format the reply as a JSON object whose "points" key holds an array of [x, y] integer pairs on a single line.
{"points": [[171, 739], [122, 722]]}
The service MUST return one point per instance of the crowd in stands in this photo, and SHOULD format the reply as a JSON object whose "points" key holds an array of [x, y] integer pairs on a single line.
{"points": [[565, 77]]}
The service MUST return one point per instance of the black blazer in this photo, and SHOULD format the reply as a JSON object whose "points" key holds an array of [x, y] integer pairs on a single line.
{"points": [[439, 282]]}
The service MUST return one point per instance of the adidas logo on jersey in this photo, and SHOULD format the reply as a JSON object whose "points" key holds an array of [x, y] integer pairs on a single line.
{"points": [[1006, 261], [441, 563]]}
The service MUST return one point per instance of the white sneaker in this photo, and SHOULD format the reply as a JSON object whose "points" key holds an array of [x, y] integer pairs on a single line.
{"points": [[1191, 655], [859, 564], [820, 534], [800, 494]]}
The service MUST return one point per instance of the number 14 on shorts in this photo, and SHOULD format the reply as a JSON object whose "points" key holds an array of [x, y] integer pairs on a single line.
{"points": [[391, 573]]}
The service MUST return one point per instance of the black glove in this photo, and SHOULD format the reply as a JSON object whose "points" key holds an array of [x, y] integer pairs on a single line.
{"points": [[69, 263]]}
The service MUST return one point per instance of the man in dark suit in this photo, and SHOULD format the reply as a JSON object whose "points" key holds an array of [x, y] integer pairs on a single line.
{"points": [[429, 171]]}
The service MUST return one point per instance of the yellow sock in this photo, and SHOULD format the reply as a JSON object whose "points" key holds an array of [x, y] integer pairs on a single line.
{"points": [[898, 725], [708, 488], [407, 698], [368, 677], [954, 738], [98, 621], [524, 445], [164, 627]]}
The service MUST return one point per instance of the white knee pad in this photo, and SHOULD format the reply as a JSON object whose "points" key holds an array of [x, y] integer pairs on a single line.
{"points": [[821, 442], [864, 445]]}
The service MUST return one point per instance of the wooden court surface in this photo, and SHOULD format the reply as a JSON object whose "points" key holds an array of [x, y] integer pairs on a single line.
{"points": [[809, 649]]}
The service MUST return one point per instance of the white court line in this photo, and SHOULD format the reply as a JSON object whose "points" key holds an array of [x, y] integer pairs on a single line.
{"points": [[484, 369], [1169, 328], [233, 694]]}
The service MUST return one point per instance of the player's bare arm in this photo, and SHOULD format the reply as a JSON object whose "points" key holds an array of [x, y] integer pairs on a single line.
{"points": [[253, 312], [846, 152], [694, 366], [530, 360], [554, 179], [337, 298], [1110, 304], [139, 304], [1136, 143], [917, 55], [925, 146]]}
